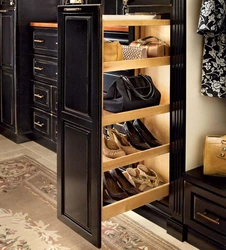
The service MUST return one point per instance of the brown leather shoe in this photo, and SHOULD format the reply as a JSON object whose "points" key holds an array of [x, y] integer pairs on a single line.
{"points": [[122, 142], [114, 190], [110, 148], [124, 183]]}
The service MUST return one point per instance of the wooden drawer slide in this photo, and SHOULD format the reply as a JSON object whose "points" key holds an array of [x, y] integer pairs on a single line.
{"points": [[135, 201]]}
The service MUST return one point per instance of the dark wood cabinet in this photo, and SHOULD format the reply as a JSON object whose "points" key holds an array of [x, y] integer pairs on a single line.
{"points": [[16, 60], [81, 120], [205, 209], [7, 78], [45, 45]]}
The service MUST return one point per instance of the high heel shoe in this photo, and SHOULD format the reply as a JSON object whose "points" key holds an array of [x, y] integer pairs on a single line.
{"points": [[145, 134], [114, 190], [110, 148], [124, 183], [122, 142], [134, 138], [106, 198]]}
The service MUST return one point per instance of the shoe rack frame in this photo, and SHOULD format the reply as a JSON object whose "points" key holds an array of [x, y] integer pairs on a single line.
{"points": [[112, 118]]}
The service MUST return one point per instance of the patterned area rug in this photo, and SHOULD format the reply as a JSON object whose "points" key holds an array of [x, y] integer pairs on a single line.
{"points": [[28, 215]]}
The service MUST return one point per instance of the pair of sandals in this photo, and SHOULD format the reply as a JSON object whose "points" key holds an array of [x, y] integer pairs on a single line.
{"points": [[142, 177]]}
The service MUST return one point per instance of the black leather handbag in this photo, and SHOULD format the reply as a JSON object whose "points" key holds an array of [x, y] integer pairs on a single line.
{"points": [[131, 92]]}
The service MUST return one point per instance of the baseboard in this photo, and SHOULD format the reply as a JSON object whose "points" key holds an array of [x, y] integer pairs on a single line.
{"points": [[201, 242], [176, 229], [154, 214], [162, 218], [45, 142], [17, 138]]}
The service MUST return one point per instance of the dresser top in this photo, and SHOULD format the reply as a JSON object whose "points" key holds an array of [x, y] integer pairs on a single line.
{"points": [[43, 25]]}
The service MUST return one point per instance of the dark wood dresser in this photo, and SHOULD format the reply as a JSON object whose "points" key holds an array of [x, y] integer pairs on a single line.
{"points": [[44, 83], [205, 209]]}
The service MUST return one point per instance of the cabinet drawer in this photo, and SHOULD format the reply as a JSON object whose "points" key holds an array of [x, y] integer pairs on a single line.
{"points": [[42, 95], [45, 41], [205, 212], [42, 122], [45, 69]]}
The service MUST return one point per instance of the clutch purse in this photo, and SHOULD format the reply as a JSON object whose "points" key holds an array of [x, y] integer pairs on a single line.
{"points": [[131, 52], [214, 158], [112, 51], [155, 47]]}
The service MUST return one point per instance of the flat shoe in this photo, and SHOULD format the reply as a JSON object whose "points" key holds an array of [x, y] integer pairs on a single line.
{"points": [[150, 173], [140, 179]]}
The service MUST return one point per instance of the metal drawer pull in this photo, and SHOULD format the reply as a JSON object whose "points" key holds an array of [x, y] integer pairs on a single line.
{"points": [[38, 41], [39, 124], [204, 215], [56, 43], [38, 68], [39, 96], [3, 11], [72, 9]]}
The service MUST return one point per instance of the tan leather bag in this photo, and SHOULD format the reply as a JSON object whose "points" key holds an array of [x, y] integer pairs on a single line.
{"points": [[155, 47], [112, 51], [214, 160]]}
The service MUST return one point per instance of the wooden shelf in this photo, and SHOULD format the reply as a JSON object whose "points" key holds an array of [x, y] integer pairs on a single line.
{"points": [[135, 201], [112, 118], [136, 64], [133, 20], [108, 163]]}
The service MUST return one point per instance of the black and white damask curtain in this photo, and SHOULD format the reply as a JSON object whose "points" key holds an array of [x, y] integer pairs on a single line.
{"points": [[212, 25]]}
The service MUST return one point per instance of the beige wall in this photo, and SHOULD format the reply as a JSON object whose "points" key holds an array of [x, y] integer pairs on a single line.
{"points": [[205, 115]]}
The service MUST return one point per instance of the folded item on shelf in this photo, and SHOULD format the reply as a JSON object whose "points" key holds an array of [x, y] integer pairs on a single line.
{"points": [[112, 51], [155, 46], [131, 53], [131, 92]]}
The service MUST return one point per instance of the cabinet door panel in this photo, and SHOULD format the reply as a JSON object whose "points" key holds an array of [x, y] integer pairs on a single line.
{"points": [[7, 99], [8, 35], [79, 120]]}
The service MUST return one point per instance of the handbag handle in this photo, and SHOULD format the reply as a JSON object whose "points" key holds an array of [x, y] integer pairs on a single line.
{"points": [[148, 37], [144, 42], [130, 86]]}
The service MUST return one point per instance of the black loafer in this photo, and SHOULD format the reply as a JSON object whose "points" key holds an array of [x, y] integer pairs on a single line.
{"points": [[145, 134], [134, 137]]}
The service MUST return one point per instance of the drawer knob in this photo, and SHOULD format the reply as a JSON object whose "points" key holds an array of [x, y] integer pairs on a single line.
{"points": [[204, 215], [39, 96], [56, 43], [38, 68], [38, 41], [39, 124]]}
